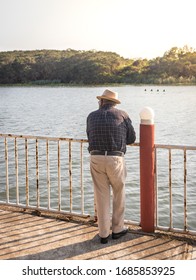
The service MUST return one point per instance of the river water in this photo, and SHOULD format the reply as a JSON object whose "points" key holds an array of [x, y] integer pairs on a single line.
{"points": [[62, 112]]}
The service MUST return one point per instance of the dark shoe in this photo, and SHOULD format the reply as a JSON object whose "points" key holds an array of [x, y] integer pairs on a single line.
{"points": [[119, 234], [104, 240]]}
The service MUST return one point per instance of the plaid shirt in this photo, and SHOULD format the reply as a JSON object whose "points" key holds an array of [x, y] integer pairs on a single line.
{"points": [[109, 129]]}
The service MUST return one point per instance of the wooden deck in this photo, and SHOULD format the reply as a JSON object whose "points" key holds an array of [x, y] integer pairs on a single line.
{"points": [[26, 236]]}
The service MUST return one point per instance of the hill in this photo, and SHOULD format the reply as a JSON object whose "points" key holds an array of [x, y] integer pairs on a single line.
{"points": [[178, 65]]}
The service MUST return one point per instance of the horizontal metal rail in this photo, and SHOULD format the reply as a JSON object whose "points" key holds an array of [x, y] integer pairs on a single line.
{"points": [[175, 147], [43, 138]]}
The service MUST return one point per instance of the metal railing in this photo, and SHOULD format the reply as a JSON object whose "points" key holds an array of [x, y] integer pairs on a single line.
{"points": [[37, 153], [179, 187], [52, 174]]}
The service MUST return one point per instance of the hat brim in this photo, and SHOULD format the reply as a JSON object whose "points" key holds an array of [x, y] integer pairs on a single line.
{"points": [[108, 98]]}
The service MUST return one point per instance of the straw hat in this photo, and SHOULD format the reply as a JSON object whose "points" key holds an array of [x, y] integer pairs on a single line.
{"points": [[109, 95]]}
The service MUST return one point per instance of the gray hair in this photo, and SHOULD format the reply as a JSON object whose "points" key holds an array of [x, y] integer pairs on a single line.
{"points": [[106, 101]]}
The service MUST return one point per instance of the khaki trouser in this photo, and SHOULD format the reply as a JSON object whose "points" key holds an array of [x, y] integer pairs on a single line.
{"points": [[109, 171]]}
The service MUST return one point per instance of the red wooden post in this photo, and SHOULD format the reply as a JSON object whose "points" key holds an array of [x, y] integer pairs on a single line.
{"points": [[147, 169]]}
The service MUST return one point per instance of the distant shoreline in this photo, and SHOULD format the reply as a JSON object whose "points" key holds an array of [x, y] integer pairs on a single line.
{"points": [[95, 68], [90, 85]]}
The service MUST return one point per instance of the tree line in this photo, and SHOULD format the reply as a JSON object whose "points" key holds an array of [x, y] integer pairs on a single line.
{"points": [[178, 65]]}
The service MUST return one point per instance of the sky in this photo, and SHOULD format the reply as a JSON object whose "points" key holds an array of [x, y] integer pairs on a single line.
{"points": [[131, 28]]}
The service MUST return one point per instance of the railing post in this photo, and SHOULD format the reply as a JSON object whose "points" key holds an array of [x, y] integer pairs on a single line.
{"points": [[147, 200]]}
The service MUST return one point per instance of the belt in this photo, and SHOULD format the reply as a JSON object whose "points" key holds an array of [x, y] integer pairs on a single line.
{"points": [[107, 153]]}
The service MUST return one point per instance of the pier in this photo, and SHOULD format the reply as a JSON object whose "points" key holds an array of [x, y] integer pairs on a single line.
{"points": [[30, 235], [54, 229]]}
